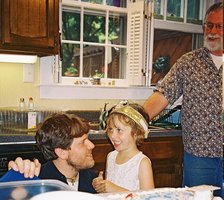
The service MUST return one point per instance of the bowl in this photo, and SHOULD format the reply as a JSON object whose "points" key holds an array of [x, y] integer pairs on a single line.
{"points": [[68, 195]]}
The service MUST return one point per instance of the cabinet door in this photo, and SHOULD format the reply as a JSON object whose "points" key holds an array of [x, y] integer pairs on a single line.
{"points": [[30, 26]]}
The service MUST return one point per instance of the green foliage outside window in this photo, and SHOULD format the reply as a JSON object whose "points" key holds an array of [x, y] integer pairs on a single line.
{"points": [[94, 32]]}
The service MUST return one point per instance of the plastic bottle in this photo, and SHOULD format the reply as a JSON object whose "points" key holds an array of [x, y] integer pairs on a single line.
{"points": [[30, 104]]}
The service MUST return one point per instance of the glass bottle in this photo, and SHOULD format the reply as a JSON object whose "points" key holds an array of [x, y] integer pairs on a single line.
{"points": [[21, 104]]}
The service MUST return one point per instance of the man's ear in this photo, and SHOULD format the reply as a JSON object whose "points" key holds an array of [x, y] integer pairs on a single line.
{"points": [[61, 153], [203, 29]]}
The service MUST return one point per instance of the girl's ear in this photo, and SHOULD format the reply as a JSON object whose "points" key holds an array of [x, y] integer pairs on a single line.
{"points": [[61, 153]]}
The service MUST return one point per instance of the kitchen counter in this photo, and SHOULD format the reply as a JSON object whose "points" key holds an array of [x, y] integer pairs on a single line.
{"points": [[24, 138]]}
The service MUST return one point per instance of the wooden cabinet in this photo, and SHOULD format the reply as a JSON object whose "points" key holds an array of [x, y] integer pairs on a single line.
{"points": [[166, 154], [29, 26]]}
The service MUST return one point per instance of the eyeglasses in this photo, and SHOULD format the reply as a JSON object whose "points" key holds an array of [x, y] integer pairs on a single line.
{"points": [[209, 26]]}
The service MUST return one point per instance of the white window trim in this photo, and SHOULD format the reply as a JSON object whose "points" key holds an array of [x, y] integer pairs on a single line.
{"points": [[51, 90], [177, 26], [94, 92]]}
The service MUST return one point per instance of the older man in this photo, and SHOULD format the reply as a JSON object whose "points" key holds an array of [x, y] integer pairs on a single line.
{"points": [[197, 76]]}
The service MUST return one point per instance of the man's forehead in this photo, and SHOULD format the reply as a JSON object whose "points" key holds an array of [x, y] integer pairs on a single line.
{"points": [[216, 13], [83, 137]]}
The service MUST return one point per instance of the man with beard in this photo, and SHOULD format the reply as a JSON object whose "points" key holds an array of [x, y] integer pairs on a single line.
{"points": [[197, 76], [63, 140]]}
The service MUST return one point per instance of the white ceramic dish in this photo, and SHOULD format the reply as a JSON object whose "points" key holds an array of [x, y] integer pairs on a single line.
{"points": [[68, 195]]}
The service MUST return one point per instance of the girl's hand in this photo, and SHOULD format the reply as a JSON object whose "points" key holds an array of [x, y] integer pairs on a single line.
{"points": [[102, 186], [98, 181]]}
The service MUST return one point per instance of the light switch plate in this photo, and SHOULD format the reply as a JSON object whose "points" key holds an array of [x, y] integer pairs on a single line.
{"points": [[28, 73]]}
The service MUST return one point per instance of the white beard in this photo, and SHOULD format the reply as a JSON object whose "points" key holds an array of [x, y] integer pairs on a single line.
{"points": [[213, 45]]}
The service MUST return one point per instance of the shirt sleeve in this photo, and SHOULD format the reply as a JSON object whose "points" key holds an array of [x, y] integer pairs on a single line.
{"points": [[172, 84]]}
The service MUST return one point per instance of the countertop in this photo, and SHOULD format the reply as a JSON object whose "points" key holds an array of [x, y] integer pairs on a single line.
{"points": [[28, 138]]}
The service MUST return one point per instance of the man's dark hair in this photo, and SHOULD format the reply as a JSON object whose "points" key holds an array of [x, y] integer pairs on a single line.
{"points": [[58, 131]]}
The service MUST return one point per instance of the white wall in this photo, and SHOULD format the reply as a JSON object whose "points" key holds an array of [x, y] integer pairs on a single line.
{"points": [[12, 88]]}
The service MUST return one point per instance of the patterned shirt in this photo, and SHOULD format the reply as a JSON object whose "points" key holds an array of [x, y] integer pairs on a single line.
{"points": [[196, 77]]}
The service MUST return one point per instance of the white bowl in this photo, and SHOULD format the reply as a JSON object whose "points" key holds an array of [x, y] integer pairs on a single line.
{"points": [[68, 195]]}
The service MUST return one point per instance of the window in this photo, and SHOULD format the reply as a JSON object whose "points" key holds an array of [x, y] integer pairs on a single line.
{"points": [[117, 3], [158, 8], [94, 42], [175, 10], [194, 11]]}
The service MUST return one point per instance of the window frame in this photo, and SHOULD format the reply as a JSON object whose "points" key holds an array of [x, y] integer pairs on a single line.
{"points": [[104, 81], [183, 11]]}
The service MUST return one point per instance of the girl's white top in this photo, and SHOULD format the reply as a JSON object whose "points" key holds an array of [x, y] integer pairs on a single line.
{"points": [[124, 175]]}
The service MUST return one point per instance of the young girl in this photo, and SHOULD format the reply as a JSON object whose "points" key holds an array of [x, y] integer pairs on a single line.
{"points": [[127, 167]]}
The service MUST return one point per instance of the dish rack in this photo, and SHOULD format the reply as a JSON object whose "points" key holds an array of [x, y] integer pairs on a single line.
{"points": [[170, 118]]}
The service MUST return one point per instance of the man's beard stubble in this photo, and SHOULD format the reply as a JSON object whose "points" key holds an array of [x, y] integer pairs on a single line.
{"points": [[81, 166]]}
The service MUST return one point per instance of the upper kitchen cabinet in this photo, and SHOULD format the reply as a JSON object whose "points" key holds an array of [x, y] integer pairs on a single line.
{"points": [[29, 27]]}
